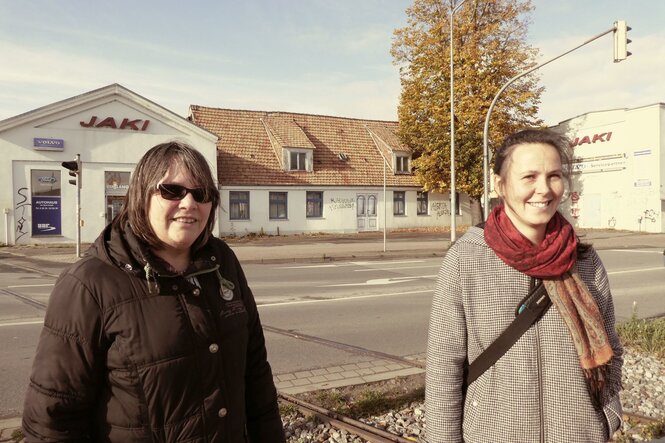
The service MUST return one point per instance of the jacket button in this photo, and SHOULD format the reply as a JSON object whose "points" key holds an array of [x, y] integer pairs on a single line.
{"points": [[213, 348], [174, 287], [222, 412], [213, 258], [196, 291]]}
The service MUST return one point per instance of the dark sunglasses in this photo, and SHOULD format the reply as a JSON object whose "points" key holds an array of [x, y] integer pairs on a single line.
{"points": [[170, 191]]}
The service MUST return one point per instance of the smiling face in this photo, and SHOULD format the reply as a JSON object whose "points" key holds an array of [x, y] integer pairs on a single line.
{"points": [[531, 186], [177, 223]]}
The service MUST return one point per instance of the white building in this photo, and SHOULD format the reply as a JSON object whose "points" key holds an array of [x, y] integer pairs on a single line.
{"points": [[111, 128], [619, 179], [277, 172], [282, 172]]}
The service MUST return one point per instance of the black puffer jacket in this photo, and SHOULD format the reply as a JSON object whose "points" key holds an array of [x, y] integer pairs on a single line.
{"points": [[131, 353]]}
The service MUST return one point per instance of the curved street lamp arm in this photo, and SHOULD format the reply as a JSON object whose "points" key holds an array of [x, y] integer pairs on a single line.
{"points": [[489, 112]]}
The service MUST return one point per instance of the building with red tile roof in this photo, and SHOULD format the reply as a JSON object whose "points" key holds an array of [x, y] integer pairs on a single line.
{"points": [[291, 173]]}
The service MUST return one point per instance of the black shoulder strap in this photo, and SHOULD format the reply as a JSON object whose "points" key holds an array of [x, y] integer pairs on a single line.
{"points": [[530, 310]]}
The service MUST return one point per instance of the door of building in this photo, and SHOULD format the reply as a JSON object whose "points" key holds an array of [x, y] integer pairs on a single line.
{"points": [[113, 206], [366, 212]]}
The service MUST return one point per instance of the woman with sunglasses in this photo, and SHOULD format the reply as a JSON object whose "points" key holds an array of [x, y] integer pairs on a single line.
{"points": [[154, 336]]}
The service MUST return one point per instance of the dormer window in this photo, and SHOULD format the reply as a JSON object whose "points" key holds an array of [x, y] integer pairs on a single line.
{"points": [[402, 164], [298, 161]]}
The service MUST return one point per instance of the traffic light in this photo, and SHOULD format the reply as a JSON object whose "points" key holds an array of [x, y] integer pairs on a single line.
{"points": [[621, 40], [74, 167]]}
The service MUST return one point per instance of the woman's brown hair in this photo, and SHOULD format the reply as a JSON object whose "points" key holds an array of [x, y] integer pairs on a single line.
{"points": [[528, 136], [150, 169]]}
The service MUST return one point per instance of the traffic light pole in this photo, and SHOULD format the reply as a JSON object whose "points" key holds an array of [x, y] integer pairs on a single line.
{"points": [[78, 209], [486, 181]]}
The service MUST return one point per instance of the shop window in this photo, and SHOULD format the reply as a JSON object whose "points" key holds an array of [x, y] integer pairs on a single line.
{"points": [[314, 204], [239, 205], [399, 201], [116, 184], [45, 204], [278, 206]]}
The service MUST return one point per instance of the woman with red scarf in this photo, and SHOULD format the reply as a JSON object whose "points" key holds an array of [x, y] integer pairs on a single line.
{"points": [[561, 379]]}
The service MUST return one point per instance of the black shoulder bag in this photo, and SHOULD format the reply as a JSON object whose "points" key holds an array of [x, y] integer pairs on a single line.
{"points": [[529, 311]]}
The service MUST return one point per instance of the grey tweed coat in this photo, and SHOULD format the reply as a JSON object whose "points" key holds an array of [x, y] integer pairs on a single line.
{"points": [[536, 392]]}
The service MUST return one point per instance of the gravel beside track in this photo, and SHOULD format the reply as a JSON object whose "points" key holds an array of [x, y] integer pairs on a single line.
{"points": [[643, 395]]}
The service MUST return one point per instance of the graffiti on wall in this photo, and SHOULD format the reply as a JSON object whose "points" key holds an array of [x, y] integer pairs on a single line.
{"points": [[341, 203], [21, 229], [441, 208], [649, 215], [611, 222], [574, 204]]}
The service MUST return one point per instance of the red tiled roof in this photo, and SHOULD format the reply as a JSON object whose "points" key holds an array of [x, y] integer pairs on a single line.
{"points": [[246, 155]]}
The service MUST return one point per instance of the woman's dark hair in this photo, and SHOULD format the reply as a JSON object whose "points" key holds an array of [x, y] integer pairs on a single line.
{"points": [[150, 169], [526, 136]]}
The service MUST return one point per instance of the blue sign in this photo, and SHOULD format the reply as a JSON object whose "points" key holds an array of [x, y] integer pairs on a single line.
{"points": [[48, 144], [46, 215]]}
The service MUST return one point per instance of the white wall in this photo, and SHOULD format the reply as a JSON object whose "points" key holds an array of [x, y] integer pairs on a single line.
{"points": [[621, 183], [339, 211], [101, 149]]}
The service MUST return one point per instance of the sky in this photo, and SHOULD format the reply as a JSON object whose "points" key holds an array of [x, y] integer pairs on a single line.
{"points": [[307, 56]]}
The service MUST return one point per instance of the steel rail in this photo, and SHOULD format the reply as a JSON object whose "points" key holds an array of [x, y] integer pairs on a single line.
{"points": [[339, 421]]}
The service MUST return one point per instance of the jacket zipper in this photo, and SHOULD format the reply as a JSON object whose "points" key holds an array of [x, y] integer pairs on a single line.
{"points": [[541, 407]]}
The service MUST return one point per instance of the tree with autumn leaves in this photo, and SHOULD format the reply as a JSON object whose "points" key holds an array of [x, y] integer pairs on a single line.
{"points": [[489, 49]]}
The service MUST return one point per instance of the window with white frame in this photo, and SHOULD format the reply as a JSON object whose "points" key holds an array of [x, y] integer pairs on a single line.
{"points": [[402, 164], [278, 205], [239, 205], [423, 203], [399, 202], [314, 204], [298, 161]]}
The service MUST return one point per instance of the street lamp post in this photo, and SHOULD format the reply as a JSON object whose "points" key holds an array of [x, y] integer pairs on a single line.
{"points": [[496, 97], [453, 197]]}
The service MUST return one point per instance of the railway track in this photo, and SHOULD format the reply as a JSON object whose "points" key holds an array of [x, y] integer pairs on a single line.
{"points": [[342, 422]]}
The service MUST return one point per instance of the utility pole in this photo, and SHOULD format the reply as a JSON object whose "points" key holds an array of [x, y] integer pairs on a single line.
{"points": [[453, 189]]}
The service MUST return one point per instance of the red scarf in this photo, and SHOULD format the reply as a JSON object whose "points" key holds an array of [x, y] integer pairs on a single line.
{"points": [[553, 261]]}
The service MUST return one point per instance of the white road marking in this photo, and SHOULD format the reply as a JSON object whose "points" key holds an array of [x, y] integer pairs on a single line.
{"points": [[397, 269], [31, 286], [630, 271], [302, 302], [352, 263], [635, 250], [381, 281], [23, 323]]}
